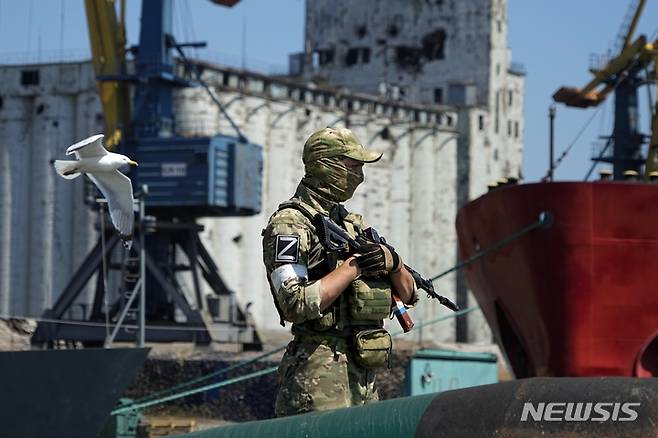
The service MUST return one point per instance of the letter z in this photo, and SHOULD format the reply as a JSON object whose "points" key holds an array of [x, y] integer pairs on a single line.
{"points": [[287, 249]]}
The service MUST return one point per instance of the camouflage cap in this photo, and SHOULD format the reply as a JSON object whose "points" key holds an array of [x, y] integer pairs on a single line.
{"points": [[333, 142]]}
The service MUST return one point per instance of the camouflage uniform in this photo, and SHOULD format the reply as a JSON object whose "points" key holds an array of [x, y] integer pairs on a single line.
{"points": [[318, 371]]}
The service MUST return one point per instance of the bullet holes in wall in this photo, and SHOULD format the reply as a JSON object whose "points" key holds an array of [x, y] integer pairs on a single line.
{"points": [[392, 30], [357, 55], [433, 44], [361, 31], [40, 108], [408, 58], [323, 57], [432, 48], [365, 55], [352, 57], [438, 95], [29, 77]]}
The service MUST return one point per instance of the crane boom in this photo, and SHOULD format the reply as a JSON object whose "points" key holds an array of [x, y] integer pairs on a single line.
{"points": [[108, 40], [633, 24], [620, 74]]}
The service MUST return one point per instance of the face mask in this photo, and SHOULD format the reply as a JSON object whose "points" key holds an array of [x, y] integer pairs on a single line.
{"points": [[332, 178]]}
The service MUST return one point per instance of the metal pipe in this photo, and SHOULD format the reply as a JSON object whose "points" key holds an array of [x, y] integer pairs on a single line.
{"points": [[141, 337], [551, 116], [584, 407]]}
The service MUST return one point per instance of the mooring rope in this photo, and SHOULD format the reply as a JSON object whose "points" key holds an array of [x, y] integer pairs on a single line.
{"points": [[544, 221], [159, 400]]}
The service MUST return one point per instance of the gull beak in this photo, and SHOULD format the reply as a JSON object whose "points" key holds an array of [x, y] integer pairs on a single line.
{"points": [[133, 163]]}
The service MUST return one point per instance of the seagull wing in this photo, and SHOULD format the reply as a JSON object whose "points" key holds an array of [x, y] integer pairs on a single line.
{"points": [[88, 148], [118, 190]]}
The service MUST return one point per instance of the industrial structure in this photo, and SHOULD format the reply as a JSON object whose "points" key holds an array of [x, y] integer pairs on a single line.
{"points": [[624, 74], [181, 179], [551, 297], [443, 141]]}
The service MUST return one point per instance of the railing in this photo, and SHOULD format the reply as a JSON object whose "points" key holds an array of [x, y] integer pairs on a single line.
{"points": [[602, 151], [255, 65], [598, 61], [80, 55], [45, 57]]}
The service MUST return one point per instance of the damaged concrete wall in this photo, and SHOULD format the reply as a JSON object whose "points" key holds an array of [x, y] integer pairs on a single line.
{"points": [[410, 195], [431, 51], [416, 51], [418, 46]]}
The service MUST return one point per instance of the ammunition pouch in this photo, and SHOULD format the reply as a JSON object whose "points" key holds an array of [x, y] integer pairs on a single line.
{"points": [[369, 300], [372, 348]]}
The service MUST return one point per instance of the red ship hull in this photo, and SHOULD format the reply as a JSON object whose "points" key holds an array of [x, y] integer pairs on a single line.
{"points": [[579, 298]]}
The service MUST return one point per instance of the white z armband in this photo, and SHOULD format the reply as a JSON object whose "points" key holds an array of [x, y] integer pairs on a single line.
{"points": [[285, 272]]}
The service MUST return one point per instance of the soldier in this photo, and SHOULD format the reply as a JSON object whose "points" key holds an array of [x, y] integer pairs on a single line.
{"points": [[336, 306]]}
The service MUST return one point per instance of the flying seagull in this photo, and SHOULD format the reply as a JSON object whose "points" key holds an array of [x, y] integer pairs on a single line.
{"points": [[102, 167]]}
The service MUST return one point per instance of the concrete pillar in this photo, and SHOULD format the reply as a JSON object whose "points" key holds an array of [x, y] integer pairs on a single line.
{"points": [[18, 138]]}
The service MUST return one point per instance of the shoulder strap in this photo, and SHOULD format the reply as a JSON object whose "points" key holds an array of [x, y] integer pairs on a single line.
{"points": [[301, 207]]}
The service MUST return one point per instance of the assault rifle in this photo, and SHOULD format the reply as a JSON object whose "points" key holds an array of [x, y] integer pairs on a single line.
{"points": [[336, 239]]}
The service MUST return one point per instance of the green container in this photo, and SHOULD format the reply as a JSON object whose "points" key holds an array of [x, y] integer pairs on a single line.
{"points": [[433, 370], [123, 425]]}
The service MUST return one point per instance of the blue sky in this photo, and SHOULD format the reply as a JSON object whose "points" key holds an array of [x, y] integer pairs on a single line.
{"points": [[553, 39]]}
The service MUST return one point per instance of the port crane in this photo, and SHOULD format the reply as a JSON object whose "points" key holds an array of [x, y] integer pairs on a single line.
{"points": [[623, 73], [187, 178]]}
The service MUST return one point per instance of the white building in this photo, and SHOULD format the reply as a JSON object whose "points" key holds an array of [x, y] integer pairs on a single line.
{"points": [[433, 52], [449, 120]]}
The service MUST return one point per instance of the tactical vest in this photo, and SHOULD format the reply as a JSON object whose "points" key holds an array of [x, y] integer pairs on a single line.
{"points": [[366, 302]]}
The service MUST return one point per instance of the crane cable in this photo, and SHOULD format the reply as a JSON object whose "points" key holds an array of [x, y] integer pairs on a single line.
{"points": [[211, 94], [618, 81], [145, 404]]}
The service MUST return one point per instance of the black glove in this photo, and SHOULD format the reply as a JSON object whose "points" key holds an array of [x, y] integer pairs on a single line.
{"points": [[374, 257]]}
